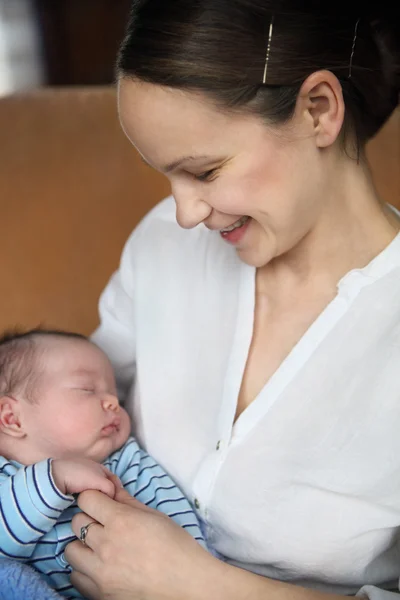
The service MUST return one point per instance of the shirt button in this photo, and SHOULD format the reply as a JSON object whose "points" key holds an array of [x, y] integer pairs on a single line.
{"points": [[196, 503], [218, 446]]}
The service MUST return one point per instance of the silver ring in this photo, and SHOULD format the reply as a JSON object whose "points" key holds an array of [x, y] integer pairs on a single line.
{"points": [[84, 531]]}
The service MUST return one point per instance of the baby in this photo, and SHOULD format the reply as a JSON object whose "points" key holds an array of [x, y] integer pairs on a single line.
{"points": [[62, 431]]}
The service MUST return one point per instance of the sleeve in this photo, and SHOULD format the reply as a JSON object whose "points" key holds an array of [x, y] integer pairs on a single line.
{"points": [[116, 333], [147, 481], [30, 505]]}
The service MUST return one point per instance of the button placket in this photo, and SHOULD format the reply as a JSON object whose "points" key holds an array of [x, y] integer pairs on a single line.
{"points": [[205, 479]]}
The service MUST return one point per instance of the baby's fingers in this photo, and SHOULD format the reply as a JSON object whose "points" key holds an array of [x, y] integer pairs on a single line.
{"points": [[101, 481], [116, 482], [103, 485]]}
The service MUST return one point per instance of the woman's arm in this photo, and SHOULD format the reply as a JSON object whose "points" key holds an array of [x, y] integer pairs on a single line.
{"points": [[138, 553]]}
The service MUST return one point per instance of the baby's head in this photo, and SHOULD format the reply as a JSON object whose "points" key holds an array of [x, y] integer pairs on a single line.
{"points": [[58, 399]]}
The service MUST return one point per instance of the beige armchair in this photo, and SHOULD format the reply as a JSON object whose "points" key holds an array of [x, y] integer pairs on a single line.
{"points": [[72, 189]]}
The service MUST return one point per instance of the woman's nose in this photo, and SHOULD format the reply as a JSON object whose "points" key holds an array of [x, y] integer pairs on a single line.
{"points": [[110, 402], [190, 209]]}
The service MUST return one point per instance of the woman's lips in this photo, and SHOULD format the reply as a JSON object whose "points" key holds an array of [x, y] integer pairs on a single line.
{"points": [[236, 235]]}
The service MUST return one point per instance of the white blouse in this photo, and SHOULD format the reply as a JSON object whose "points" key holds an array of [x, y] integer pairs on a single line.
{"points": [[305, 486]]}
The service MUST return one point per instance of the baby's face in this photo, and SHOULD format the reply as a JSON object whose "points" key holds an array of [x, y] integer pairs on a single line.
{"points": [[76, 412]]}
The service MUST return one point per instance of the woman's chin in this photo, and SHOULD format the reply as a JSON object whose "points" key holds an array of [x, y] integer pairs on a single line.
{"points": [[257, 250], [254, 257]]}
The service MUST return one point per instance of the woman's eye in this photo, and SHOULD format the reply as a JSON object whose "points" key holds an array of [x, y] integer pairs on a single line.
{"points": [[205, 176]]}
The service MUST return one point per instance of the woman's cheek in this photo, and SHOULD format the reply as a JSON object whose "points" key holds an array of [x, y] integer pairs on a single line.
{"points": [[230, 199]]}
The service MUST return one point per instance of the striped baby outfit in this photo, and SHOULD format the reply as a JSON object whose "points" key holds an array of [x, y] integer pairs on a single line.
{"points": [[35, 517]]}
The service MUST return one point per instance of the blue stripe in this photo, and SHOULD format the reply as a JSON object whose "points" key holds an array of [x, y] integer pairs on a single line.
{"points": [[124, 451], [130, 443], [8, 464], [8, 555], [41, 559], [11, 533], [155, 466], [171, 487], [108, 463], [59, 553], [63, 522], [51, 557], [130, 482], [63, 588], [149, 483], [69, 538], [171, 500], [59, 494], [39, 494], [25, 518], [131, 466], [118, 459], [59, 572], [183, 512]]}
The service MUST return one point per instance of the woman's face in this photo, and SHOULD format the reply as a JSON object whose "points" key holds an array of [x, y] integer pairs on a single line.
{"points": [[224, 167]]}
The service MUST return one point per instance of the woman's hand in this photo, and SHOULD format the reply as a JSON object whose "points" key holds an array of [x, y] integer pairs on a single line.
{"points": [[135, 552]]}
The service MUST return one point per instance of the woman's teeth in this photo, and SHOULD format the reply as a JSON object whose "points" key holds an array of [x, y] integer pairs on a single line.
{"points": [[239, 223]]}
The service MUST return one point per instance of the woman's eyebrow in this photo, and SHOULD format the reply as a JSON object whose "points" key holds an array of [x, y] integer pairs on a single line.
{"points": [[171, 166]]}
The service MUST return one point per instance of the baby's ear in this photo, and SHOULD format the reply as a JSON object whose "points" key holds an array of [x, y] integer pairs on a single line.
{"points": [[10, 422]]}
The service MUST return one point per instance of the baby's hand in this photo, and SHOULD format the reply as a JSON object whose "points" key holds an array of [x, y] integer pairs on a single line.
{"points": [[77, 475]]}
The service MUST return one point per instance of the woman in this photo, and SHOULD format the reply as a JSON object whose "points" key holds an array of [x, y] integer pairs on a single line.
{"points": [[261, 336]]}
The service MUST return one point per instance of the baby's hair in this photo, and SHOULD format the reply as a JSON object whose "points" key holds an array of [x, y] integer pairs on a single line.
{"points": [[18, 353]]}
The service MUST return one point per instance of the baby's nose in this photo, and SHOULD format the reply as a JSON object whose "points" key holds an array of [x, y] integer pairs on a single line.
{"points": [[110, 402]]}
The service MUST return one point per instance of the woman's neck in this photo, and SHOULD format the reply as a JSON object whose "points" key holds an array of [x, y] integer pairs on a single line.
{"points": [[353, 227]]}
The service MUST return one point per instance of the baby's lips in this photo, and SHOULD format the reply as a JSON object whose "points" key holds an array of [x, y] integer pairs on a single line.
{"points": [[115, 423]]}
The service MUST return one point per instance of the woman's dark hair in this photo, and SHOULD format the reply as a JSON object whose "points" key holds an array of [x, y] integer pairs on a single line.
{"points": [[218, 48]]}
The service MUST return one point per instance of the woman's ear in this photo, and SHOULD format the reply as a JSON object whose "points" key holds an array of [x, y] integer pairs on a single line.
{"points": [[10, 417], [321, 102]]}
